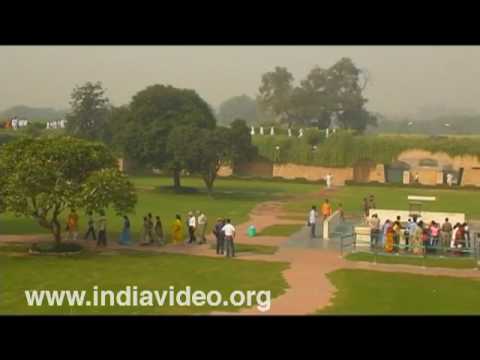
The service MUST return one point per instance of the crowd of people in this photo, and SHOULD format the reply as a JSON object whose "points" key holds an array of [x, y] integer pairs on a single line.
{"points": [[153, 231], [418, 237]]}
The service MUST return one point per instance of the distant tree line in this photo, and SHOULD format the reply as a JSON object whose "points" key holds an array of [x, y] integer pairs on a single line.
{"points": [[325, 96]]}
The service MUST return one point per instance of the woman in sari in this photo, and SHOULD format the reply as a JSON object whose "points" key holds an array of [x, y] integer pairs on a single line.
{"points": [[389, 244], [125, 234], [384, 232], [417, 246], [177, 232]]}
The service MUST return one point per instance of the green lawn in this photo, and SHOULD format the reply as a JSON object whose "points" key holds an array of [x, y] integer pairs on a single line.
{"points": [[254, 248], [232, 198], [116, 270], [363, 292], [395, 198], [456, 263], [280, 230]]}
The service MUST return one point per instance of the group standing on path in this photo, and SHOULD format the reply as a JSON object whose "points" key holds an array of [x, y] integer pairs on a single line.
{"points": [[418, 237], [153, 231]]}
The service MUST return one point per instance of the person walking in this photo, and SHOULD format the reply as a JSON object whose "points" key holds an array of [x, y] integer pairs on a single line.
{"points": [[434, 235], [312, 222], [466, 232], [384, 231], [91, 227], [328, 180], [102, 230], [192, 226], [202, 226], [371, 202], [446, 234], [389, 238], [366, 209], [229, 231], [177, 232], [125, 238], [326, 209], [219, 235], [158, 231], [397, 229], [416, 239], [342, 212], [409, 232], [147, 231], [72, 225], [374, 225]]}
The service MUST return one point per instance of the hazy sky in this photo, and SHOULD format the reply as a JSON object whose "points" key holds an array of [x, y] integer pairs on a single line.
{"points": [[402, 78]]}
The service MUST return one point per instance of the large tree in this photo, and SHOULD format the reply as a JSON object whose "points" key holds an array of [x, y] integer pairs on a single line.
{"points": [[275, 93], [153, 113], [88, 118], [241, 147], [211, 149], [325, 95], [243, 107], [43, 177], [208, 149]]}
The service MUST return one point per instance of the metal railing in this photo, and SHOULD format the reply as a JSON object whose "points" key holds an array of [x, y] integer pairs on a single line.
{"points": [[428, 250]]}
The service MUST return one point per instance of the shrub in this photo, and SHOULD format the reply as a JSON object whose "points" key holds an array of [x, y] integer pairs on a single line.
{"points": [[345, 148]]}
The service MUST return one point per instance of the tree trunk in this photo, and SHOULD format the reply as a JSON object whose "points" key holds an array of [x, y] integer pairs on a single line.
{"points": [[176, 179], [56, 231]]}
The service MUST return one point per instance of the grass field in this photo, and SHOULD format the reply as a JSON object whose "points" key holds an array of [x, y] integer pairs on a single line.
{"points": [[116, 270], [280, 230], [351, 197], [232, 198], [362, 292], [253, 248], [455, 263]]}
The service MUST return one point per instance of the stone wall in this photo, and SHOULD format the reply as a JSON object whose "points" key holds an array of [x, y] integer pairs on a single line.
{"points": [[261, 169], [292, 171], [426, 176], [471, 177], [412, 157]]}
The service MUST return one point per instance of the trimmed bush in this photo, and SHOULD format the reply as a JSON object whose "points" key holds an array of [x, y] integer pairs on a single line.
{"points": [[344, 149]]}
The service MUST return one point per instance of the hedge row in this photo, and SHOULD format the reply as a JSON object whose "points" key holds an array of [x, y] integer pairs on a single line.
{"points": [[345, 149]]}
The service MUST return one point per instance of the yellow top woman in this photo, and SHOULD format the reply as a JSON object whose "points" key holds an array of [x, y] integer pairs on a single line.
{"points": [[177, 231]]}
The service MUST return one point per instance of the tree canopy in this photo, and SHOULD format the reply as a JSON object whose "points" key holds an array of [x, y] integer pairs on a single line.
{"points": [[324, 96], [243, 107], [149, 119], [41, 178], [88, 118]]}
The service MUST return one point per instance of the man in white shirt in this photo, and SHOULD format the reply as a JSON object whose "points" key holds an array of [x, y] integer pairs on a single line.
{"points": [[312, 221], [449, 179], [14, 123], [229, 233], [328, 180], [192, 226], [202, 225]]}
